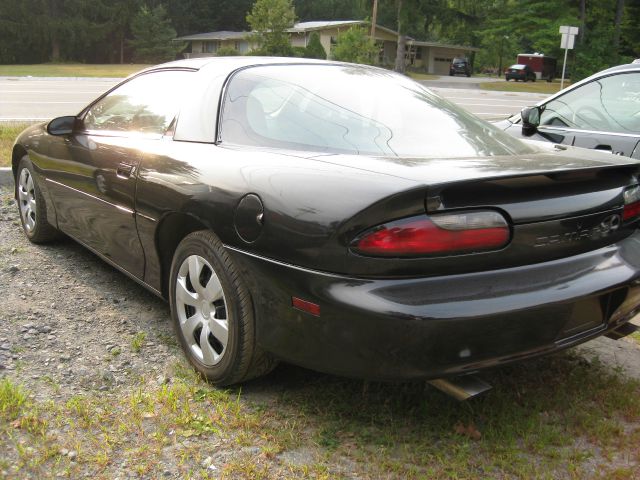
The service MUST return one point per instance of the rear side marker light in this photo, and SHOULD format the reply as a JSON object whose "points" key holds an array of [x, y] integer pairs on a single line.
{"points": [[441, 234], [305, 306], [631, 203]]}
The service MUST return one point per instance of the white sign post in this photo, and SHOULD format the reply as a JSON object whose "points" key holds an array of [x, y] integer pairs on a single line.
{"points": [[567, 41]]}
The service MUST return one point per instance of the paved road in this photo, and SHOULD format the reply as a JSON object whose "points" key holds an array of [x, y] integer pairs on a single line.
{"points": [[35, 99]]}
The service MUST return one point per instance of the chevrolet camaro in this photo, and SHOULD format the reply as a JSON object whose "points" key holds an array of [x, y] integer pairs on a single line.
{"points": [[340, 217]]}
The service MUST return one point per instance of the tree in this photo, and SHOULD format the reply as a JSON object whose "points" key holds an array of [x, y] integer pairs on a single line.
{"points": [[314, 48], [355, 46], [153, 35], [270, 20]]}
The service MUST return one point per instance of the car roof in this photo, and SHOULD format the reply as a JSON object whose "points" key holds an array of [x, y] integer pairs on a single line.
{"points": [[231, 63]]}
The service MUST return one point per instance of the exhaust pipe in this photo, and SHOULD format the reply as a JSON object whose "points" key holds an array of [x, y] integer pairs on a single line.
{"points": [[622, 331], [461, 388]]}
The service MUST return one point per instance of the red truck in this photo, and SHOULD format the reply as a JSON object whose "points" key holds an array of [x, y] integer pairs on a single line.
{"points": [[543, 66]]}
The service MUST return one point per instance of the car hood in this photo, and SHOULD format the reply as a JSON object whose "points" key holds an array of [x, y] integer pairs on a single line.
{"points": [[544, 158]]}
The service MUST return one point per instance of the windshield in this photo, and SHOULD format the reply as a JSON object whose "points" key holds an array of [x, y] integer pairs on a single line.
{"points": [[352, 109]]}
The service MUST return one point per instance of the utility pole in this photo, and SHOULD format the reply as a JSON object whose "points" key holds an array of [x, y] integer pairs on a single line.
{"points": [[374, 19]]}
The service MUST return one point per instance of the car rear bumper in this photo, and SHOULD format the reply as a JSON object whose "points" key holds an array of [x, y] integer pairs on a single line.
{"points": [[392, 329]]}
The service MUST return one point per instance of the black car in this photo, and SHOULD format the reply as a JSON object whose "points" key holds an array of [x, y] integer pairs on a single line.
{"points": [[460, 66], [600, 112], [389, 236], [520, 72]]}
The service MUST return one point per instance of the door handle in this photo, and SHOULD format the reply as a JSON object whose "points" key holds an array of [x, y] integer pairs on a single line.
{"points": [[124, 170]]}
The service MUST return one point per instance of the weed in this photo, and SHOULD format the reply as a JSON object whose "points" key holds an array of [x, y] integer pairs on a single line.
{"points": [[138, 341]]}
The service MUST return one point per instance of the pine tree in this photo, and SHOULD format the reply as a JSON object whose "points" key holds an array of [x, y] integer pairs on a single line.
{"points": [[153, 35]]}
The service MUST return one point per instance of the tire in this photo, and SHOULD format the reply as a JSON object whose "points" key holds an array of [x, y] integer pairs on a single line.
{"points": [[215, 308], [31, 205]]}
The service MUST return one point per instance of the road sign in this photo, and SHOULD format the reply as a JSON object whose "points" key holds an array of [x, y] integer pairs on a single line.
{"points": [[569, 30], [567, 41]]}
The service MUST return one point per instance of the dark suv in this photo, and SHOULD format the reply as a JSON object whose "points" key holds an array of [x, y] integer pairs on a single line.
{"points": [[460, 66]]}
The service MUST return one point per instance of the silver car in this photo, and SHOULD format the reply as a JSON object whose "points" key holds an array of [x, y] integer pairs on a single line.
{"points": [[600, 112]]}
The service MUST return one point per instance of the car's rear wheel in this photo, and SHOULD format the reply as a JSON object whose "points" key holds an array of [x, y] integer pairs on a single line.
{"points": [[33, 210], [212, 312]]}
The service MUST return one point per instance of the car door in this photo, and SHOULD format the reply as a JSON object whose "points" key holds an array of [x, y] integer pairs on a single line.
{"points": [[603, 114], [92, 172]]}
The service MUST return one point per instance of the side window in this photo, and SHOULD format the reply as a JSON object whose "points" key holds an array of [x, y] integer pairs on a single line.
{"points": [[611, 104], [145, 104]]}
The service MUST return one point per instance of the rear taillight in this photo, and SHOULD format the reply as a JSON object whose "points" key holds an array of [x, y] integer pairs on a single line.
{"points": [[631, 203], [440, 234]]}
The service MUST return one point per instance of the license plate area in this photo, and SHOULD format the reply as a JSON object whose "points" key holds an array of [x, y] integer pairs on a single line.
{"points": [[586, 314]]}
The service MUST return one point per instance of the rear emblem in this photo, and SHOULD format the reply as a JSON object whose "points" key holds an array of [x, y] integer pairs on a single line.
{"points": [[610, 224]]}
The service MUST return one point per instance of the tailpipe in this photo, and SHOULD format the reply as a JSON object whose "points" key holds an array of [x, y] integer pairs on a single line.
{"points": [[622, 331], [461, 388]]}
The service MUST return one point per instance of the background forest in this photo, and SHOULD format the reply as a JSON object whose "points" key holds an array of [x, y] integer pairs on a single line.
{"points": [[117, 31]]}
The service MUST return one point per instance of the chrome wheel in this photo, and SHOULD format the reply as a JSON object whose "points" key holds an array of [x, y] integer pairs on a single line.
{"points": [[202, 310], [27, 199]]}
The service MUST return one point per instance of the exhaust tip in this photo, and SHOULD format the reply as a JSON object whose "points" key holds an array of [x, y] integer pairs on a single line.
{"points": [[622, 331], [461, 388]]}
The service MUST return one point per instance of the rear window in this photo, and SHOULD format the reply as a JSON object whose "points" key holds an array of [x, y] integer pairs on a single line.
{"points": [[351, 109], [517, 67]]}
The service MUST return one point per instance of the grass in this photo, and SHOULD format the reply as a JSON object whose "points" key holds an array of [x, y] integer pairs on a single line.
{"points": [[532, 87], [557, 417], [422, 76], [69, 70], [8, 133], [138, 341]]}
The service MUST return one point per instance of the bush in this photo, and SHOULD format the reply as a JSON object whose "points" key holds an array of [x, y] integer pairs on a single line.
{"points": [[227, 52], [355, 46], [314, 48]]}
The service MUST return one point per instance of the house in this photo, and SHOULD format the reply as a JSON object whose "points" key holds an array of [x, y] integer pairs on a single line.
{"points": [[430, 57]]}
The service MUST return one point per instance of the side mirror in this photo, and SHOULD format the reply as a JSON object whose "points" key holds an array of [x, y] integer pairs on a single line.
{"points": [[530, 120], [61, 126]]}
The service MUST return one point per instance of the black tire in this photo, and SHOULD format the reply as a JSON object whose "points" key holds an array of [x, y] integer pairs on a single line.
{"points": [[34, 223], [238, 360]]}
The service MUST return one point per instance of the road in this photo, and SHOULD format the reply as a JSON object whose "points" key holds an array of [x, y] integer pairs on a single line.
{"points": [[41, 99]]}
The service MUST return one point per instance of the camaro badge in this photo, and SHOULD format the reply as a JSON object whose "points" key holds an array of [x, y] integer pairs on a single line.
{"points": [[609, 225]]}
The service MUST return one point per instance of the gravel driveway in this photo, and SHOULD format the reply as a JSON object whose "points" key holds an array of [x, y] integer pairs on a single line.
{"points": [[74, 328]]}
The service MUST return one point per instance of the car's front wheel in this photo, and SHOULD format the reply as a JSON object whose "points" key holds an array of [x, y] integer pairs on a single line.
{"points": [[212, 312], [33, 210]]}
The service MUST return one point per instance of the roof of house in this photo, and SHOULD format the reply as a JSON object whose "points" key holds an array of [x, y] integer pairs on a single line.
{"points": [[321, 25], [419, 43], [222, 35], [303, 27], [300, 27]]}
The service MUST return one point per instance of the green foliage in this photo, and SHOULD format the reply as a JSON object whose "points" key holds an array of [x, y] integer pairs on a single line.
{"points": [[298, 52], [153, 35], [314, 48], [269, 20], [355, 46], [227, 52]]}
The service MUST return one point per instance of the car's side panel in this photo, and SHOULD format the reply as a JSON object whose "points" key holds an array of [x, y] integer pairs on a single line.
{"points": [[92, 184], [305, 201]]}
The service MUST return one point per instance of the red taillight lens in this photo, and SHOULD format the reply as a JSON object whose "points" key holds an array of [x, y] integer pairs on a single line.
{"points": [[443, 234], [631, 203]]}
